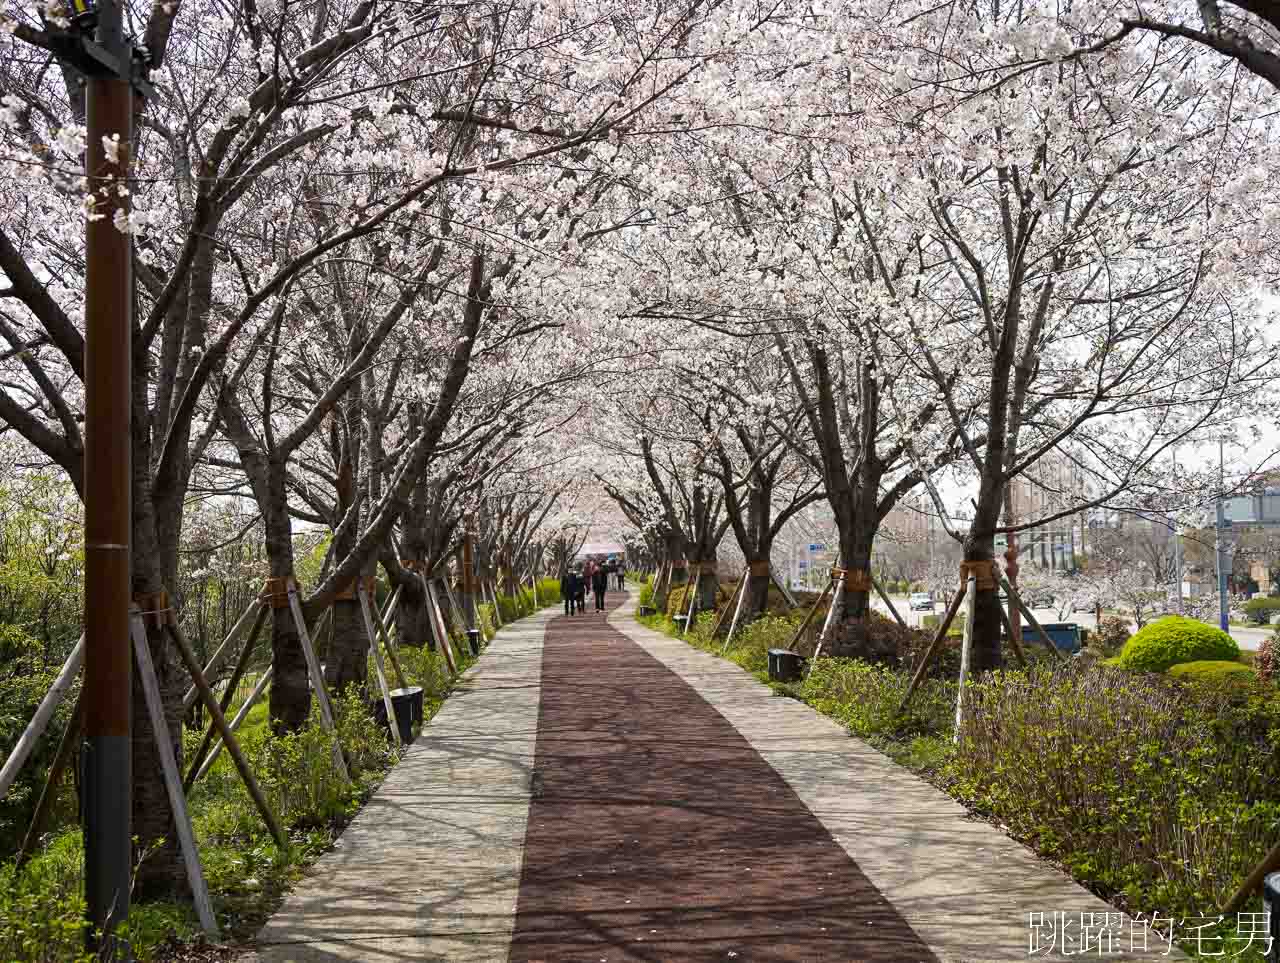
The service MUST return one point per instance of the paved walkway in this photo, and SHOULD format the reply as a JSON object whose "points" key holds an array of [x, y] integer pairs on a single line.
{"points": [[670, 808]]}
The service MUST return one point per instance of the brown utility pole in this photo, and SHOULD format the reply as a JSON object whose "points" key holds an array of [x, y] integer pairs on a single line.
{"points": [[106, 61]]}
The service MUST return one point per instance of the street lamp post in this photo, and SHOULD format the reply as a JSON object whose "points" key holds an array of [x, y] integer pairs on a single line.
{"points": [[1219, 544], [114, 70]]}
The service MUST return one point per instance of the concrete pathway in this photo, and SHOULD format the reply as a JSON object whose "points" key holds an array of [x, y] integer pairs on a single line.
{"points": [[965, 887], [431, 868]]}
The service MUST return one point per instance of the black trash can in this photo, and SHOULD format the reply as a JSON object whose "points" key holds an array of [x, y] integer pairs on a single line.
{"points": [[785, 665], [473, 636], [407, 704]]}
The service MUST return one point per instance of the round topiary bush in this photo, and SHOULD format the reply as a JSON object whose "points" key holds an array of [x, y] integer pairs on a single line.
{"points": [[1211, 670], [1175, 639]]}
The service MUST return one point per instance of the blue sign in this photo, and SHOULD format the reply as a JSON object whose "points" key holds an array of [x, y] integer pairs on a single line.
{"points": [[816, 547], [804, 564]]}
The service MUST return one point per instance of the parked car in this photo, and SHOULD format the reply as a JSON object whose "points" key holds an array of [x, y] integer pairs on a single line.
{"points": [[921, 602]]}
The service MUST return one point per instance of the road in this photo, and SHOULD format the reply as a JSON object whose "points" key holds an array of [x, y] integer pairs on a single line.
{"points": [[1245, 638]]}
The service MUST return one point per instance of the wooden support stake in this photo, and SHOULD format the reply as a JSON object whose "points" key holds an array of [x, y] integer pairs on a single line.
{"points": [[884, 596], [227, 695], [67, 745], [836, 598], [493, 600], [438, 629], [455, 611], [809, 618], [966, 644], [1270, 863], [1031, 619], [782, 587], [40, 720], [233, 747], [172, 779], [317, 682], [244, 710], [692, 587], [916, 679], [715, 629], [377, 663], [256, 608], [1013, 640], [380, 621]]}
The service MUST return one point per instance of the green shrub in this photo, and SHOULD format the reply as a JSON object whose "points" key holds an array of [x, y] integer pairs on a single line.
{"points": [[646, 591], [678, 597], [1166, 793], [866, 698], [1174, 639], [1261, 608], [1212, 671]]}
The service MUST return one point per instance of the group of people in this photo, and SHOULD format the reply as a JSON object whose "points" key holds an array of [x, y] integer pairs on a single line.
{"points": [[595, 574]]}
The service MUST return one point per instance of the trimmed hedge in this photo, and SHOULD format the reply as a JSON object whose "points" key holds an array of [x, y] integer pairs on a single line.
{"points": [[1261, 608], [1175, 639], [1211, 670]]}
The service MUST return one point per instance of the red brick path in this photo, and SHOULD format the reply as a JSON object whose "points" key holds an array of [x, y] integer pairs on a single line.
{"points": [[657, 833]]}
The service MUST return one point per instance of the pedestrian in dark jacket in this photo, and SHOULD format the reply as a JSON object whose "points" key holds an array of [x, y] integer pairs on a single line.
{"points": [[569, 588], [599, 583]]}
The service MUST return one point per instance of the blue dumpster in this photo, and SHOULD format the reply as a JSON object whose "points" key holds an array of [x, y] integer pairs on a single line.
{"points": [[1065, 635]]}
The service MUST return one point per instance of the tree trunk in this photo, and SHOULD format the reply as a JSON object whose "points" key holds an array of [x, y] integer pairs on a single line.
{"points": [[757, 590], [348, 661], [413, 618], [290, 699], [852, 636]]}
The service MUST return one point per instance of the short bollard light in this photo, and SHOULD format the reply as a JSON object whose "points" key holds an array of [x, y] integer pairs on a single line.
{"points": [[473, 636], [1271, 910]]}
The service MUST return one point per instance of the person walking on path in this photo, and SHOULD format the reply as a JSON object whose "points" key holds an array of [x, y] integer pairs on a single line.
{"points": [[580, 597], [569, 590], [622, 575], [599, 583]]}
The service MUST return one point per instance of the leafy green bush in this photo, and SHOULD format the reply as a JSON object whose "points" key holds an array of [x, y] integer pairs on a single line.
{"points": [[646, 592], [866, 698], [1163, 792], [1212, 671], [1174, 639], [1261, 608]]}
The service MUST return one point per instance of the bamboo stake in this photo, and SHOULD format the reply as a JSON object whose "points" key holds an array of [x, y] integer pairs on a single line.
{"points": [[916, 679], [67, 745], [40, 720], [377, 663], [836, 599], [172, 779], [967, 643], [881, 592], [1044, 636], [215, 660], [227, 695], [317, 682], [233, 747], [241, 714]]}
